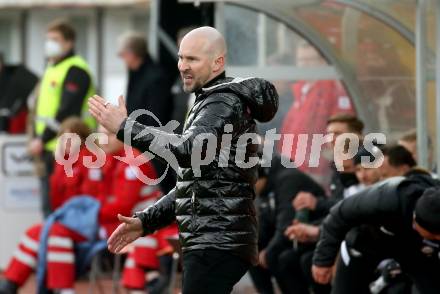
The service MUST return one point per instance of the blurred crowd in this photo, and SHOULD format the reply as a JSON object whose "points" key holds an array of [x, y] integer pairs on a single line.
{"points": [[293, 204]]}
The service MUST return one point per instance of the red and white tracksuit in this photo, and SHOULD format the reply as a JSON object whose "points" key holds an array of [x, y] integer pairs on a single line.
{"points": [[119, 191], [144, 255], [62, 187]]}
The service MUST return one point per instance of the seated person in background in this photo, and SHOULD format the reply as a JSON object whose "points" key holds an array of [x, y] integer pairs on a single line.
{"points": [[117, 188], [402, 217], [409, 141], [285, 184], [305, 233], [337, 125], [354, 178], [63, 186], [365, 177], [366, 174], [399, 162]]}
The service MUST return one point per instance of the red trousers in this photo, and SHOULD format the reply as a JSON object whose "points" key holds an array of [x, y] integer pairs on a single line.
{"points": [[60, 257], [144, 255]]}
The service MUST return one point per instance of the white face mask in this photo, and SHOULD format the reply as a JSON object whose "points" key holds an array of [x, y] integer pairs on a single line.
{"points": [[52, 48]]}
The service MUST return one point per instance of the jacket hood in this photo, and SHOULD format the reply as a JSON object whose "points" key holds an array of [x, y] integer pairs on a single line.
{"points": [[421, 175], [259, 95]]}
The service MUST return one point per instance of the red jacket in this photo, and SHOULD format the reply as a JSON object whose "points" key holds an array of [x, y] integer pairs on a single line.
{"points": [[62, 187], [119, 189], [314, 104]]}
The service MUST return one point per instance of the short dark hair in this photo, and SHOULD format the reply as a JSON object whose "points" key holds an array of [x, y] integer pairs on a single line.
{"points": [[64, 28], [354, 124], [135, 42], [398, 156]]}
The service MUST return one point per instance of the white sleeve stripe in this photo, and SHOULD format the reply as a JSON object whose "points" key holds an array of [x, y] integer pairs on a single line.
{"points": [[60, 242], [152, 275], [25, 258], [129, 263], [29, 243], [147, 242], [64, 257], [344, 253]]}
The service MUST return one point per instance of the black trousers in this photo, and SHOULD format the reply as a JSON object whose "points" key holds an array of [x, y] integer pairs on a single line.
{"points": [[262, 279], [359, 273], [211, 271], [49, 161], [292, 268]]}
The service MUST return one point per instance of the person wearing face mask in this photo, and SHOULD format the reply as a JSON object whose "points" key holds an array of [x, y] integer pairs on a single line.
{"points": [[348, 179], [366, 174], [66, 83]]}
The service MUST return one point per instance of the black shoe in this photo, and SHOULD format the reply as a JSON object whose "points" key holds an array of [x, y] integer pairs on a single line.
{"points": [[8, 287]]}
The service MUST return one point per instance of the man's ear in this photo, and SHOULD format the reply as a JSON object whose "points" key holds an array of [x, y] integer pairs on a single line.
{"points": [[69, 45], [219, 63]]}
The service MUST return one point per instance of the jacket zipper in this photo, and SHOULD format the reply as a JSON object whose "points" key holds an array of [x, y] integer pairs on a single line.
{"points": [[193, 208]]}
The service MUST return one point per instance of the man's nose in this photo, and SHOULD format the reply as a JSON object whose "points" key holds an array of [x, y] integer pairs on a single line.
{"points": [[183, 66]]}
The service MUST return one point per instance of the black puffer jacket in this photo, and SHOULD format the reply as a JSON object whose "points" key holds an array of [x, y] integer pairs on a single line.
{"points": [[386, 208], [214, 210]]}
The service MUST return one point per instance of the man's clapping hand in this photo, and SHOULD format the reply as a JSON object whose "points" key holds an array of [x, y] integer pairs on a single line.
{"points": [[108, 115]]}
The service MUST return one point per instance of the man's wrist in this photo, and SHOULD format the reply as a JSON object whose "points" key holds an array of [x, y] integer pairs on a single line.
{"points": [[121, 130], [141, 216]]}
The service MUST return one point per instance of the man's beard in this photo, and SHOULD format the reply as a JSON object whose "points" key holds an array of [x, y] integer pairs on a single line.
{"points": [[192, 88]]}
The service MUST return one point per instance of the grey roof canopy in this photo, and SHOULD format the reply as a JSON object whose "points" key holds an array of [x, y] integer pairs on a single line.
{"points": [[394, 30]]}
